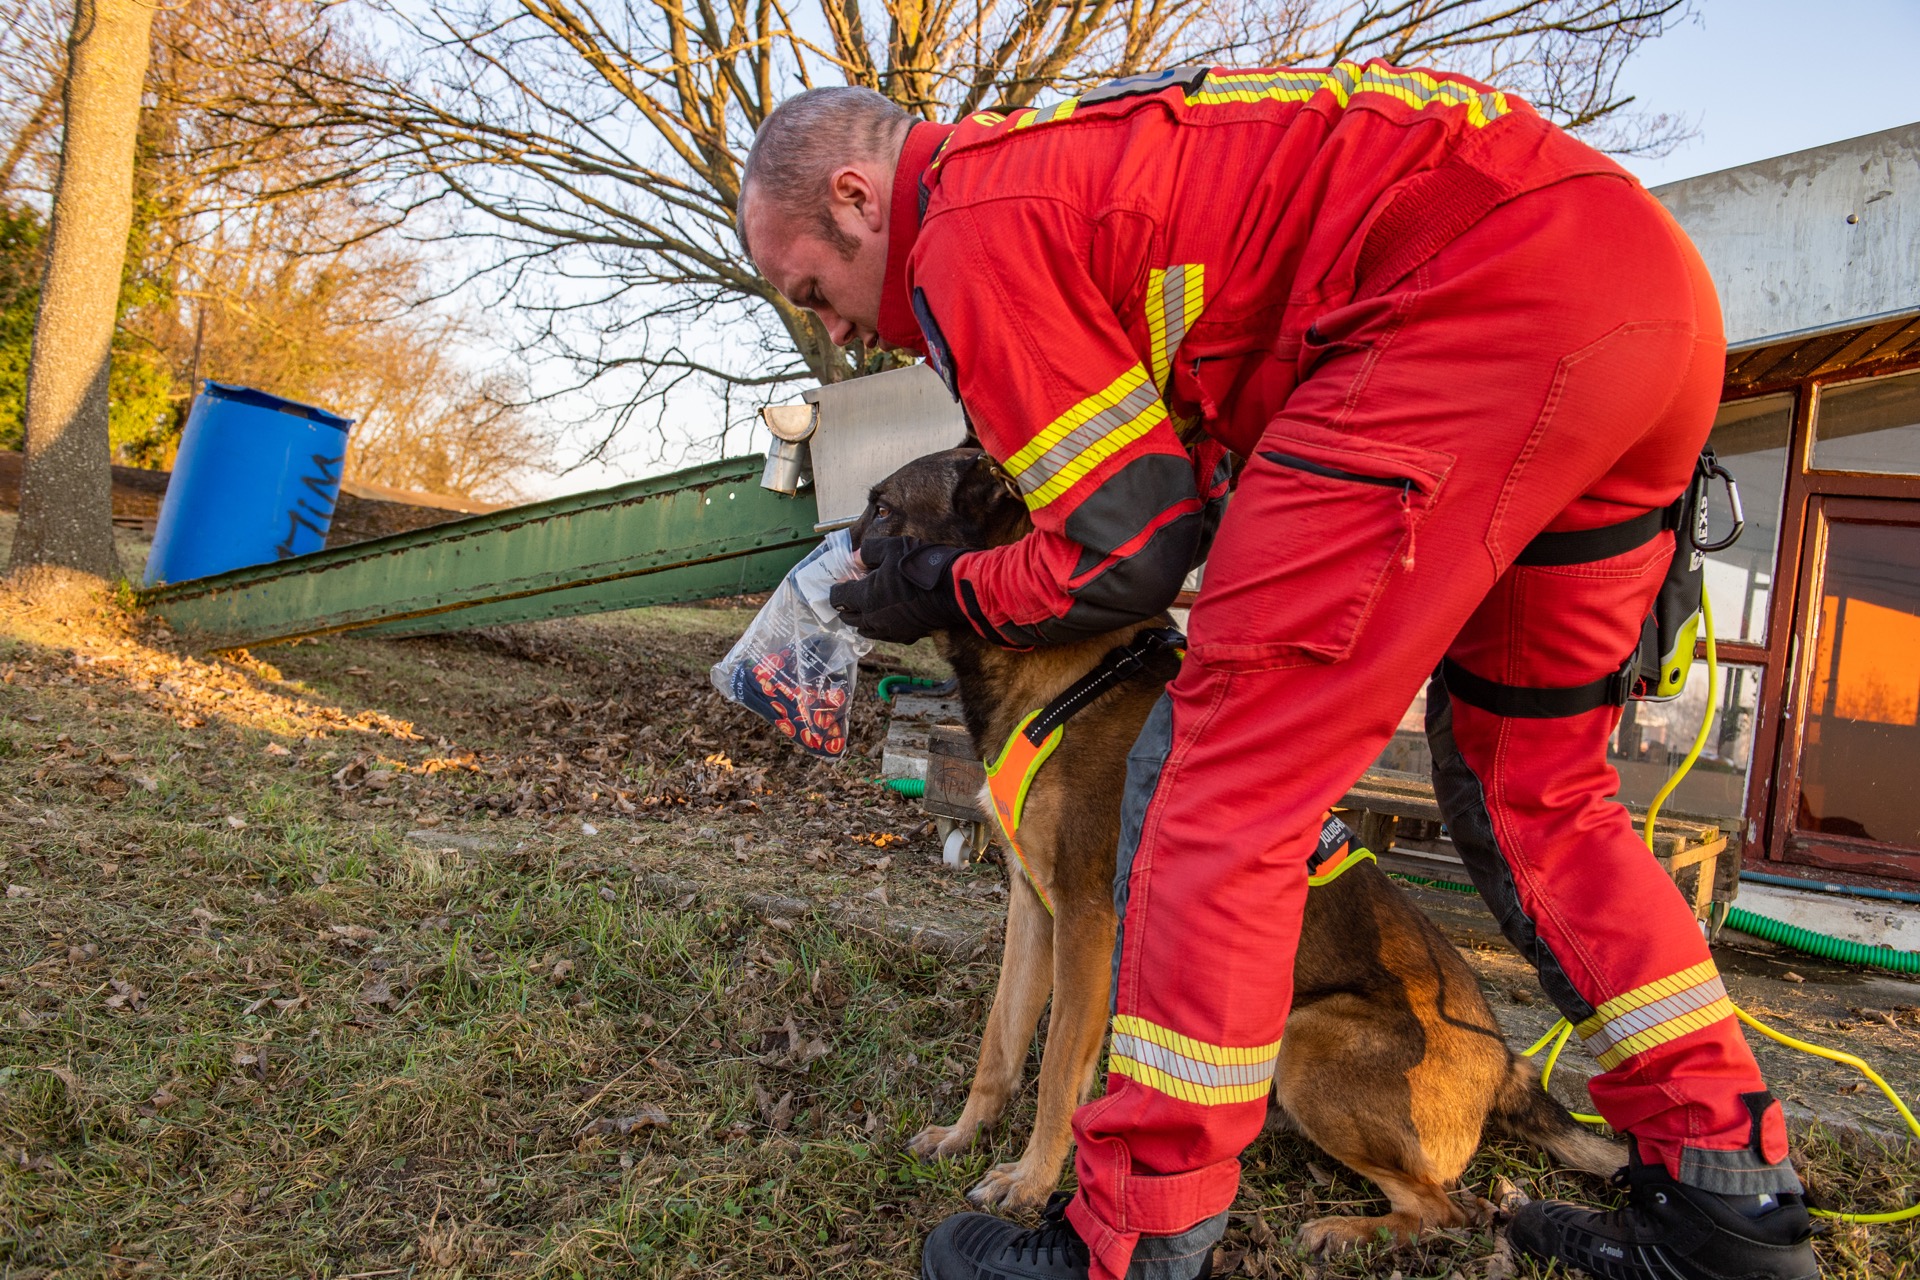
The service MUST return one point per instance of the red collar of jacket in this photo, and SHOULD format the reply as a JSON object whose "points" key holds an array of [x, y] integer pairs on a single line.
{"points": [[898, 327]]}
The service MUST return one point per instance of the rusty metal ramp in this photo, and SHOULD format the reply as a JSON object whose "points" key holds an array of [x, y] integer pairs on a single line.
{"points": [[694, 535]]}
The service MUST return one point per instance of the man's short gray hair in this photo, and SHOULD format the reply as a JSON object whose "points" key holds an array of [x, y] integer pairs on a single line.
{"points": [[804, 140]]}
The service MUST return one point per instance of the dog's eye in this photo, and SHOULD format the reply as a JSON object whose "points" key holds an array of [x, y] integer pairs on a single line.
{"points": [[881, 511]]}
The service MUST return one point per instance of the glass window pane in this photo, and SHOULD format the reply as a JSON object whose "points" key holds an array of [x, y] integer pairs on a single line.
{"points": [[1653, 737], [1869, 426], [1751, 438], [1861, 751]]}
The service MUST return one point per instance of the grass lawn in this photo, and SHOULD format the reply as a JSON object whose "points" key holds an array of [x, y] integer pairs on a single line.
{"points": [[456, 957]]}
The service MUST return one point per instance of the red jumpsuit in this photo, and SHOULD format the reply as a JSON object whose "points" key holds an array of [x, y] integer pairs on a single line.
{"points": [[1430, 327]]}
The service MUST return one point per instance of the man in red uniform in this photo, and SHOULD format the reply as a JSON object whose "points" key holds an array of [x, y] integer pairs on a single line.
{"points": [[1454, 366]]}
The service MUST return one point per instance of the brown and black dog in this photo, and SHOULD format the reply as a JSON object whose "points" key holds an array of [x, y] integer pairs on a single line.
{"points": [[1392, 1061]]}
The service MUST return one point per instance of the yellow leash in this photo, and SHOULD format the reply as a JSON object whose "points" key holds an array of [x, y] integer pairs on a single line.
{"points": [[1558, 1034]]}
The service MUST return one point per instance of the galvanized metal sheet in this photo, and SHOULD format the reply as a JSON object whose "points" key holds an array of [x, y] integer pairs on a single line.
{"points": [[706, 531], [1812, 240], [871, 427]]}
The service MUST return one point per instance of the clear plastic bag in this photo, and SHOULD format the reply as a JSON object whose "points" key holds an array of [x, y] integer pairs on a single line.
{"points": [[795, 665]]}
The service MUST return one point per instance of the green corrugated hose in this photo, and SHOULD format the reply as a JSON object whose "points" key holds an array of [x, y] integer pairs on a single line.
{"points": [[890, 685], [1824, 945], [1776, 931], [911, 788]]}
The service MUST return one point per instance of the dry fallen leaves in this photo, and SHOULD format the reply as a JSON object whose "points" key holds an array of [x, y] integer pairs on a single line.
{"points": [[125, 996], [620, 1126], [778, 1115]]}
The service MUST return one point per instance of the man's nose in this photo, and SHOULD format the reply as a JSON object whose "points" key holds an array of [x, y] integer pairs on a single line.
{"points": [[839, 328]]}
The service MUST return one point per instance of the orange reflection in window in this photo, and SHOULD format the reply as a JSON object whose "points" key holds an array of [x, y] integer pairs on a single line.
{"points": [[1878, 676]]}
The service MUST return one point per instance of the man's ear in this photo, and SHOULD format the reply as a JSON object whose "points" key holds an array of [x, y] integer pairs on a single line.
{"points": [[854, 187]]}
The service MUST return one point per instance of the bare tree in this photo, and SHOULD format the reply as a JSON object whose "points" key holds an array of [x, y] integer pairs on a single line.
{"points": [[66, 505], [33, 53], [257, 258], [441, 430], [599, 142]]}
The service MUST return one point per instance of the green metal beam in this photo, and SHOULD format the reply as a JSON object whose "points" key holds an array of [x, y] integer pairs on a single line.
{"points": [[704, 532], [738, 575]]}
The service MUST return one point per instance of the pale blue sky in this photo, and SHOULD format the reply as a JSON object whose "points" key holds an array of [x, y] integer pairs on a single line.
{"points": [[1761, 78], [1756, 78]]}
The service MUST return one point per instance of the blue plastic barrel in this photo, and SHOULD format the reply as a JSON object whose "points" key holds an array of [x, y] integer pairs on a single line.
{"points": [[255, 481]]}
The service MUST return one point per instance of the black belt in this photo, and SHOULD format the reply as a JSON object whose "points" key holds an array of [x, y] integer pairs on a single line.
{"points": [[1583, 546], [1521, 702], [1578, 546]]}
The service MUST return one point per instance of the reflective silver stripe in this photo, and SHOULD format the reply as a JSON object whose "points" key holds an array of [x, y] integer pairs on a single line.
{"points": [[1192, 1070], [1173, 306], [1070, 446], [1634, 1021]]}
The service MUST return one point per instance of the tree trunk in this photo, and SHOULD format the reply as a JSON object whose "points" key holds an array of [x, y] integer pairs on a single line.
{"points": [[66, 486]]}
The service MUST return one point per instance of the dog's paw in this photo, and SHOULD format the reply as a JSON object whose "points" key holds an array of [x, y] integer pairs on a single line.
{"points": [[1324, 1237], [1012, 1188], [937, 1140]]}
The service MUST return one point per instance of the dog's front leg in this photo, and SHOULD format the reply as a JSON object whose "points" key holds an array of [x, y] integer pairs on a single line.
{"points": [[1026, 978], [1083, 958]]}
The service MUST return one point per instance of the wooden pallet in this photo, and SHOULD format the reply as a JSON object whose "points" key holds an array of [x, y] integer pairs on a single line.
{"points": [[1691, 853]]}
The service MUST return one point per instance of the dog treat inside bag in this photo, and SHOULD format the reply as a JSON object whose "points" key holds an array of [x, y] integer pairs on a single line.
{"points": [[795, 665]]}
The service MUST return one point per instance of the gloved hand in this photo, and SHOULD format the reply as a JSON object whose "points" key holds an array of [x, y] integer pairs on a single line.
{"points": [[906, 593]]}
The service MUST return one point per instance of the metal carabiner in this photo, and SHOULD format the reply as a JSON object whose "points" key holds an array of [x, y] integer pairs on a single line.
{"points": [[1711, 470]]}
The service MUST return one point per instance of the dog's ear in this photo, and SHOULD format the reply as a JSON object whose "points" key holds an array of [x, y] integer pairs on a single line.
{"points": [[988, 503]]}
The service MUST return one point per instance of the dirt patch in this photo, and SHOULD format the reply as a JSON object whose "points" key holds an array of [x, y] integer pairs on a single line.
{"points": [[519, 953]]}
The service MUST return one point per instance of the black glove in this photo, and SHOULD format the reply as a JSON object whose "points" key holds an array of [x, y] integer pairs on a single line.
{"points": [[907, 592]]}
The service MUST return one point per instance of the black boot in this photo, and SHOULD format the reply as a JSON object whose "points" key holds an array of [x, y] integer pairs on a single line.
{"points": [[1670, 1231], [979, 1246]]}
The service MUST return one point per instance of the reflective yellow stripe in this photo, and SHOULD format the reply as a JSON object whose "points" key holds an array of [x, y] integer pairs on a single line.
{"points": [[1085, 436], [1191, 1070], [1046, 115], [1415, 88], [1655, 1013], [1660, 1033], [1187, 1090], [1174, 299], [1647, 994], [1126, 1024], [1347, 863]]}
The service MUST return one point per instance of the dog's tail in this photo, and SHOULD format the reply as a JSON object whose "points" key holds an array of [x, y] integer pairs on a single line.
{"points": [[1525, 1112]]}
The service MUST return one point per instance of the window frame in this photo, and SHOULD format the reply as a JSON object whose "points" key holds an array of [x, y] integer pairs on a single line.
{"points": [[1773, 771]]}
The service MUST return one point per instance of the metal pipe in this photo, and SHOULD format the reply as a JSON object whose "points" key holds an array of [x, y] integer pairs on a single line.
{"points": [[1845, 890]]}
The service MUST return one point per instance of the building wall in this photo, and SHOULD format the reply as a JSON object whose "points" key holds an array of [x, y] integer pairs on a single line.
{"points": [[1810, 240]]}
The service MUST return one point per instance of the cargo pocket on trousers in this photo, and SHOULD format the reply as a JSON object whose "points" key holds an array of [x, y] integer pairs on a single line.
{"points": [[1319, 524]]}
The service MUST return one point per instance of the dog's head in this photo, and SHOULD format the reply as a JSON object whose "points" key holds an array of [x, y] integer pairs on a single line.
{"points": [[959, 498]]}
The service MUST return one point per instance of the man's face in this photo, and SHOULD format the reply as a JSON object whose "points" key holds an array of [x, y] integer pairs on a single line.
{"points": [[841, 283]]}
